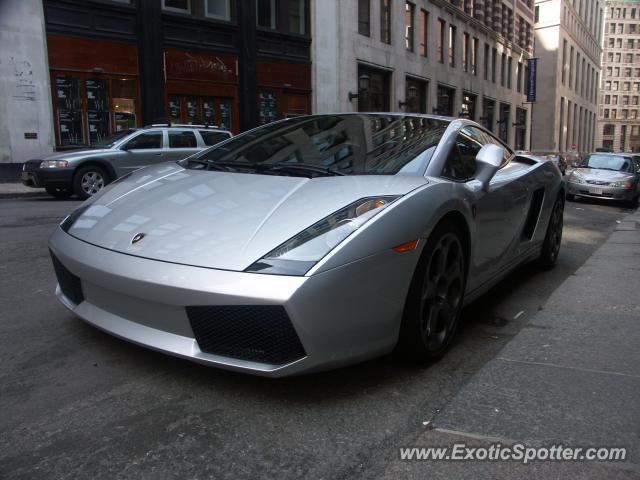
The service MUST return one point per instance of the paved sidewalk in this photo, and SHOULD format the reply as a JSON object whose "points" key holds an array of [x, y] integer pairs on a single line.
{"points": [[570, 377], [12, 190]]}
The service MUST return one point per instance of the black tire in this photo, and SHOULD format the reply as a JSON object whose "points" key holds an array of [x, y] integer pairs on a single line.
{"points": [[89, 180], [553, 238], [61, 193], [571, 197], [633, 203], [433, 306]]}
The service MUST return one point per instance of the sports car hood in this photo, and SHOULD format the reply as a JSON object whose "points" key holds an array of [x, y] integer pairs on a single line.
{"points": [[597, 174], [218, 219]]}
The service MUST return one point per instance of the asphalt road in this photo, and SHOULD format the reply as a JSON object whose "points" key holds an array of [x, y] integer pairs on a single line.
{"points": [[78, 403]]}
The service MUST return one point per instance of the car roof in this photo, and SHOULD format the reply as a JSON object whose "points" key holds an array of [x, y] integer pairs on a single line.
{"points": [[175, 126]]}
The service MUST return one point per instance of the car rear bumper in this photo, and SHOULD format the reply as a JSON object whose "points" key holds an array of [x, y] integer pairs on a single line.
{"points": [[48, 178], [600, 191], [341, 316]]}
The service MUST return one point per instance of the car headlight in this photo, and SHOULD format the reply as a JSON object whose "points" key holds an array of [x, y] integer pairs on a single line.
{"points": [[576, 178], [622, 184], [297, 255], [54, 164]]}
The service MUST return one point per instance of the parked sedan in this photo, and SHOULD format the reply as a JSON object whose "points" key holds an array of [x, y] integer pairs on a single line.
{"points": [[609, 176], [310, 243], [86, 172]]}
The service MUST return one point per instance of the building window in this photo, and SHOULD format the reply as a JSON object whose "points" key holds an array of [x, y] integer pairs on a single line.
{"points": [[409, 19], [416, 95], [385, 21], [503, 123], [609, 129], [179, 6], [446, 97], [474, 56], [469, 101], [503, 69], [296, 17], [494, 61], [488, 113], [486, 61], [364, 17], [521, 128], [509, 71], [452, 46], [377, 96], [519, 78], [423, 31], [218, 9], [266, 13], [465, 52], [564, 62], [440, 40]]}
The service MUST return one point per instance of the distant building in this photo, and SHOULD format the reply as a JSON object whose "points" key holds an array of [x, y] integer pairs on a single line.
{"points": [[568, 47], [618, 116], [458, 58]]}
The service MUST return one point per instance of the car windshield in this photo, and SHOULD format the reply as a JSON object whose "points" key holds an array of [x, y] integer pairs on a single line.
{"points": [[607, 162], [349, 144], [111, 140]]}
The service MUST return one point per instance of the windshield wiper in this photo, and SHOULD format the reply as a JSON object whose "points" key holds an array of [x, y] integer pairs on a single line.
{"points": [[302, 167]]}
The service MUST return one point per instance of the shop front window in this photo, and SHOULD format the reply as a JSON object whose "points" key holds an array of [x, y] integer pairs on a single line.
{"points": [[268, 107], [89, 108], [97, 109], [124, 104], [69, 111], [196, 110]]}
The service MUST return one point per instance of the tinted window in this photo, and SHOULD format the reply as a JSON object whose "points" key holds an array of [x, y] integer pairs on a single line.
{"points": [[211, 138], [461, 164], [352, 144], [184, 139], [145, 140]]}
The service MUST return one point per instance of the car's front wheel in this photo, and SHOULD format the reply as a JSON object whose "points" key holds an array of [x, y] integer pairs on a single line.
{"points": [[89, 180], [57, 192], [435, 297]]}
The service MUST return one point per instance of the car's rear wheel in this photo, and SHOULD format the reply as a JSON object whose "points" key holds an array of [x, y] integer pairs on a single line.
{"points": [[435, 297], [58, 192], [553, 239], [89, 180]]}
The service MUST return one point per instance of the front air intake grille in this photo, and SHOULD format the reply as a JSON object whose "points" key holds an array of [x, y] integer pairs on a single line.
{"points": [[258, 333], [69, 283]]}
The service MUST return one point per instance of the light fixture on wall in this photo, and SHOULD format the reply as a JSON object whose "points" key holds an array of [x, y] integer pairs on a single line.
{"points": [[412, 95], [363, 87]]}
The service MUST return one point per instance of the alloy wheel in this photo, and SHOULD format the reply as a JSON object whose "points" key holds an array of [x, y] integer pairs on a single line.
{"points": [[92, 182], [442, 292]]}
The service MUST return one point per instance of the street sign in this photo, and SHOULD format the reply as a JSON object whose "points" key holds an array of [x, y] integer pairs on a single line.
{"points": [[532, 65]]}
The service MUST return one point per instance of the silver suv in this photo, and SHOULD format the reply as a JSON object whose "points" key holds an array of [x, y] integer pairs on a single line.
{"points": [[85, 172]]}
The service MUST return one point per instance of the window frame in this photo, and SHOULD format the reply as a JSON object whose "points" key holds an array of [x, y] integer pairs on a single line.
{"points": [[163, 142], [217, 17], [175, 9]]}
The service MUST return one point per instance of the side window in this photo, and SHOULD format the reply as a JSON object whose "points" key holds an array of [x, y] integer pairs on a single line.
{"points": [[182, 139], [212, 137], [461, 164], [145, 141]]}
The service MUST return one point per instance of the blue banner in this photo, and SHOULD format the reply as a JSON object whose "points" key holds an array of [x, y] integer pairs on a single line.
{"points": [[532, 65]]}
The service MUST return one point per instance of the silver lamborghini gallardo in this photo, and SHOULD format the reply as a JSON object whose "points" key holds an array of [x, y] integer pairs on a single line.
{"points": [[310, 243]]}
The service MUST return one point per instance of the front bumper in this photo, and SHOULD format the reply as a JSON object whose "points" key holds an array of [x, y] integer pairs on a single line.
{"points": [[340, 316], [48, 178], [600, 191]]}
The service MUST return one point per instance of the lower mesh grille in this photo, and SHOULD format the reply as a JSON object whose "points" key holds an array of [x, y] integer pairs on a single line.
{"points": [[69, 283], [258, 333]]}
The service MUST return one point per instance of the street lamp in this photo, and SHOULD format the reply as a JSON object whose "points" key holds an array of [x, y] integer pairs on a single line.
{"points": [[363, 87]]}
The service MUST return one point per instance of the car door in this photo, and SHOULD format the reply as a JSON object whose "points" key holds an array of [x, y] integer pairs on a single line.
{"points": [[182, 143], [498, 211], [144, 149]]}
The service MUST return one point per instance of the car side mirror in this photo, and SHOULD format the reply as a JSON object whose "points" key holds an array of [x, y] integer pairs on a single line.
{"points": [[488, 161]]}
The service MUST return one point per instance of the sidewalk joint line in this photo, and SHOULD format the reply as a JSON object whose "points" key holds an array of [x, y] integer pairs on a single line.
{"points": [[590, 370]]}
